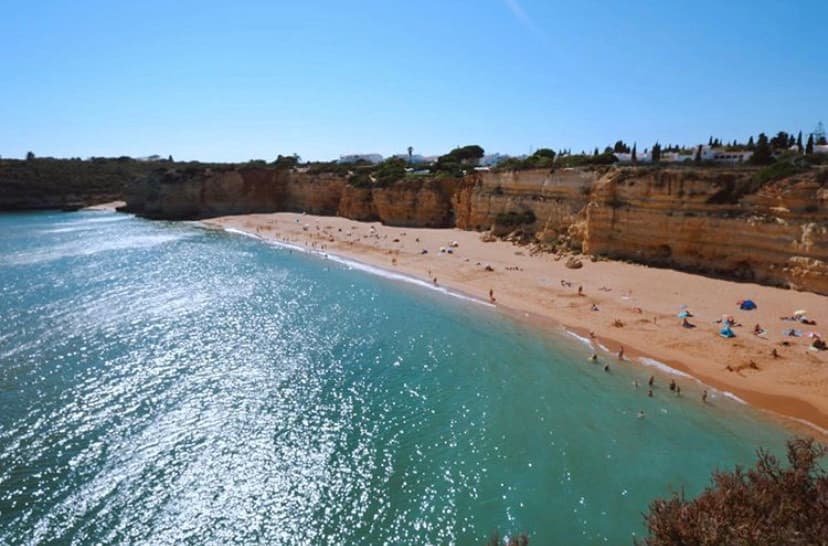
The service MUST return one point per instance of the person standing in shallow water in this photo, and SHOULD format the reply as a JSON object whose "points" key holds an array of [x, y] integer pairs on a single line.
{"points": [[651, 381], [621, 353], [704, 396]]}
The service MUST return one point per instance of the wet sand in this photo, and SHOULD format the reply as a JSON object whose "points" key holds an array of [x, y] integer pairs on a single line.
{"points": [[621, 304]]}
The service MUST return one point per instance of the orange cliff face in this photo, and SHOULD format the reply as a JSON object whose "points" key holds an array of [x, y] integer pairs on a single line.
{"points": [[715, 222], [709, 220]]}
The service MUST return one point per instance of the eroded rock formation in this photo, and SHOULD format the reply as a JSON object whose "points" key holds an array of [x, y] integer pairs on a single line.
{"points": [[711, 220]]}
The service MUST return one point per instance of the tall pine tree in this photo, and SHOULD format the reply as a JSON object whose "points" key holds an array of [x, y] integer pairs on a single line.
{"points": [[809, 147], [762, 155]]}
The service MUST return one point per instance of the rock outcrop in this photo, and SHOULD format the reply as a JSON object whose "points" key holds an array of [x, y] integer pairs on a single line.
{"points": [[69, 184], [715, 221]]}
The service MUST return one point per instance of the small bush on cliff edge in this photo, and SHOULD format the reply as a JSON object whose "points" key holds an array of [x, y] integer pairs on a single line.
{"points": [[514, 219], [764, 505]]}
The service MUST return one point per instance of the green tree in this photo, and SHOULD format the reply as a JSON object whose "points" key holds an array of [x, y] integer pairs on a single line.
{"points": [[799, 145], [656, 152], [762, 154], [620, 147], [410, 154], [780, 141], [634, 157], [750, 144], [286, 161], [697, 158], [595, 152], [766, 505], [809, 147], [389, 171], [29, 156], [170, 159]]}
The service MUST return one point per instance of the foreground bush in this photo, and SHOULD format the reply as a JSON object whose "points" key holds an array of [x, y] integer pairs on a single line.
{"points": [[764, 505]]}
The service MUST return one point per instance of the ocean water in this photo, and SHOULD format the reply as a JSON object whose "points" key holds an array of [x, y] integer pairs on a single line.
{"points": [[162, 383]]}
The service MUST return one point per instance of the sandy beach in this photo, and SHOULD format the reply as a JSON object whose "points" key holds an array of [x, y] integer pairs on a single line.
{"points": [[622, 305], [106, 207]]}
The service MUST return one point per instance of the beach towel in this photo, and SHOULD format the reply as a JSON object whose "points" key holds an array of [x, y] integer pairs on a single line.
{"points": [[726, 332]]}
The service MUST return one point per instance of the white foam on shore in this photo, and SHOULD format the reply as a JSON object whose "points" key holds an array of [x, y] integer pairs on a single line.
{"points": [[732, 396], [361, 266], [653, 363], [586, 341], [809, 424]]}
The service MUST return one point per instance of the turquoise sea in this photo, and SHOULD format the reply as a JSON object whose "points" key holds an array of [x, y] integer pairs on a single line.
{"points": [[161, 383]]}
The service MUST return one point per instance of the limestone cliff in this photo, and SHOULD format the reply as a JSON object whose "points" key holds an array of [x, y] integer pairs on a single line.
{"points": [[46, 183], [712, 220]]}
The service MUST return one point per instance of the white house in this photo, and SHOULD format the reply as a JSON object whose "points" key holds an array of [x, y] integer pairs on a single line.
{"points": [[675, 157], [353, 158], [720, 155], [640, 157], [490, 160], [821, 148], [415, 158]]}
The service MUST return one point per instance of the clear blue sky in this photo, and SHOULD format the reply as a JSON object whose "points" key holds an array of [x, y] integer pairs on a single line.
{"points": [[230, 81]]}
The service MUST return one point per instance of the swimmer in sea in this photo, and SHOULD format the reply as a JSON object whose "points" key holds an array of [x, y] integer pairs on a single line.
{"points": [[606, 367], [635, 383], [641, 414], [594, 357], [650, 393]]}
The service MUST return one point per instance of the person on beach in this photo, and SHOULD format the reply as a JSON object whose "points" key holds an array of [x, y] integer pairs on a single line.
{"points": [[774, 353], [580, 290], [621, 353], [491, 295], [435, 281], [704, 396]]}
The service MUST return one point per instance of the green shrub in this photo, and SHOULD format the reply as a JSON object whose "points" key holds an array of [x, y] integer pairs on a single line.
{"points": [[765, 505], [776, 171], [515, 219]]}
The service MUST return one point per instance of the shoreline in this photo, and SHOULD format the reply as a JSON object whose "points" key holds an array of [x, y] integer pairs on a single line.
{"points": [[780, 396]]}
